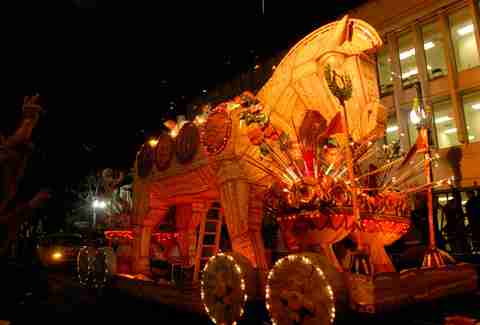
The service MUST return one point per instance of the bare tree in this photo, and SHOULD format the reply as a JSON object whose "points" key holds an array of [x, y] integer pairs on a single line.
{"points": [[119, 207], [15, 151], [103, 187], [83, 195]]}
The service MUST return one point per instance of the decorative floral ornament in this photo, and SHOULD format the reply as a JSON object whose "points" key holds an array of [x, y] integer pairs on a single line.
{"points": [[258, 124], [340, 86]]}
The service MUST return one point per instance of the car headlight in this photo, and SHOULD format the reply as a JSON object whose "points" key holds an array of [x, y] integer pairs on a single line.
{"points": [[57, 256]]}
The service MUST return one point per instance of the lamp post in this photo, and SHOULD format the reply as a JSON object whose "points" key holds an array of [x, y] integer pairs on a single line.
{"points": [[421, 117], [97, 204], [341, 87]]}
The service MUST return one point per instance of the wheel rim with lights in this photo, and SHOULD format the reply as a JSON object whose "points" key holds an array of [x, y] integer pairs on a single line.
{"points": [[95, 266], [304, 289], [86, 265], [228, 280]]}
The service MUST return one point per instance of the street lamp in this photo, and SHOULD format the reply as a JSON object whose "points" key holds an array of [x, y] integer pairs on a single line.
{"points": [[434, 257], [416, 116], [97, 204]]}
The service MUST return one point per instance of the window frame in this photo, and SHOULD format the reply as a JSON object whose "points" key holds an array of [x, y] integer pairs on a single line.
{"points": [[461, 96], [435, 20], [387, 47], [448, 13]]}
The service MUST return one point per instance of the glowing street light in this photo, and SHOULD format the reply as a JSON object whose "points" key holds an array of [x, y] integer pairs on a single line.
{"points": [[97, 204], [417, 114], [414, 117]]}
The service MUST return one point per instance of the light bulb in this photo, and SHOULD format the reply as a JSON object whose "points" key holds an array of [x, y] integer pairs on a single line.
{"points": [[414, 117]]}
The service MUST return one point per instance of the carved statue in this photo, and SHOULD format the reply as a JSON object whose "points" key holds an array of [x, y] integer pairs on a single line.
{"points": [[14, 153]]}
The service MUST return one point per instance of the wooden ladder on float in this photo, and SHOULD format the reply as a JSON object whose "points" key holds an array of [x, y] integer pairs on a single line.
{"points": [[208, 238]]}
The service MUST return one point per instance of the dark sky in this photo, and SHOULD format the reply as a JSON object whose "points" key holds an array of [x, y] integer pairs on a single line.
{"points": [[107, 77]]}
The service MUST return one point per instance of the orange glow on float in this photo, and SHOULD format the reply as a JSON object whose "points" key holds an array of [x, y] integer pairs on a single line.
{"points": [[173, 133], [153, 142], [128, 234], [386, 226], [119, 234], [310, 215], [367, 224], [200, 120], [165, 236]]}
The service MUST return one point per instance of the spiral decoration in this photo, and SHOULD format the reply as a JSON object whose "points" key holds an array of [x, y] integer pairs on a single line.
{"points": [[188, 142], [217, 131]]}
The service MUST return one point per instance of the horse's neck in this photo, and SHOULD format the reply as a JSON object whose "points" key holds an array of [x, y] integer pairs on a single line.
{"points": [[13, 159], [24, 131]]}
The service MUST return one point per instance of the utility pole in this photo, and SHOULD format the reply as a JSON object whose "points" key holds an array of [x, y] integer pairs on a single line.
{"points": [[424, 130], [422, 118]]}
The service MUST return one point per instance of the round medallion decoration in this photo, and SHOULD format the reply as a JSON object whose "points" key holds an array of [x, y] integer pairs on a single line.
{"points": [[217, 131], [145, 160], [188, 141], [163, 152]]}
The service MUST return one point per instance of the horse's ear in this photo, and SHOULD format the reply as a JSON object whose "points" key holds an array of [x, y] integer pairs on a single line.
{"points": [[340, 33]]}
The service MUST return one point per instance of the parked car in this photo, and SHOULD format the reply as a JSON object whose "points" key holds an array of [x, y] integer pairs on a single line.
{"points": [[59, 249]]}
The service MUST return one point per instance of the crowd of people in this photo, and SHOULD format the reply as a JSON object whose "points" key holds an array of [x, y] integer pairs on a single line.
{"points": [[459, 223]]}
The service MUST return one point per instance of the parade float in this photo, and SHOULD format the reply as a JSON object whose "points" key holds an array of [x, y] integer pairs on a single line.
{"points": [[305, 149]]}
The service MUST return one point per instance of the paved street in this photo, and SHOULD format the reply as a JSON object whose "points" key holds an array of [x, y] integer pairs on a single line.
{"points": [[66, 303]]}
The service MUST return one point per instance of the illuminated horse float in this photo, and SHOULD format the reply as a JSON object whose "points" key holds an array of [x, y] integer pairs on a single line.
{"points": [[303, 149]]}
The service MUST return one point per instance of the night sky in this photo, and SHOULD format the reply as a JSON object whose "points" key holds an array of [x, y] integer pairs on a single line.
{"points": [[107, 78]]}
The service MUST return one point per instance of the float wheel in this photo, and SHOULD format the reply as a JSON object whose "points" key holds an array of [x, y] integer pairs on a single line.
{"points": [[228, 282], [304, 289]]}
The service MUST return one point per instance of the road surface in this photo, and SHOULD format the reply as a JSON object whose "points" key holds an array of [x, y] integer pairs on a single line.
{"points": [[56, 298]]}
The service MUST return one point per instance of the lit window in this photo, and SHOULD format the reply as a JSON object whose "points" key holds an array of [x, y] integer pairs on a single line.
{"points": [[384, 67], [408, 63], [445, 124], [463, 38], [392, 131], [434, 53], [471, 106]]}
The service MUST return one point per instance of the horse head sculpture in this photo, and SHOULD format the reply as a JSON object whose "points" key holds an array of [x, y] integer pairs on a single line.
{"points": [[299, 84]]}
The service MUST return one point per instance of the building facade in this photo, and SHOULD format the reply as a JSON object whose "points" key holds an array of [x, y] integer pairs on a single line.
{"points": [[434, 44], [431, 43]]}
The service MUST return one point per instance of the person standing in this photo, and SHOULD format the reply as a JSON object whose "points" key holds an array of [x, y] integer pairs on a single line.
{"points": [[456, 232], [159, 265], [473, 214]]}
